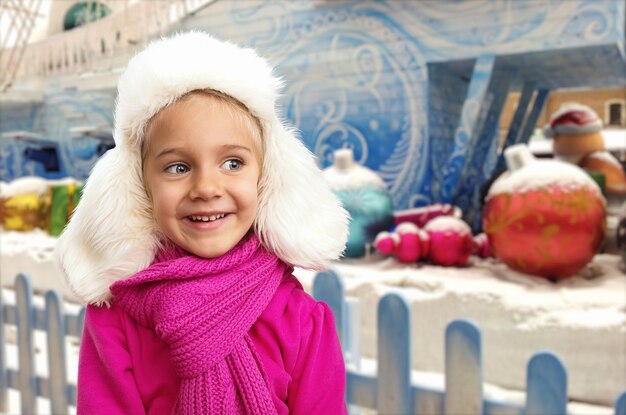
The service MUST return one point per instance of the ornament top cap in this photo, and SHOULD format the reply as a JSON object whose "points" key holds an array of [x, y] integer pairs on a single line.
{"points": [[344, 159], [518, 156]]}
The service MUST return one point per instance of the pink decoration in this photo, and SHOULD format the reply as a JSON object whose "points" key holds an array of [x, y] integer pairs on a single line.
{"points": [[421, 216], [408, 250], [386, 242], [481, 246], [451, 241], [407, 243], [424, 243]]}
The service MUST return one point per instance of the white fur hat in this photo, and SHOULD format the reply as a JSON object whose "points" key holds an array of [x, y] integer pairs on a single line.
{"points": [[112, 234]]}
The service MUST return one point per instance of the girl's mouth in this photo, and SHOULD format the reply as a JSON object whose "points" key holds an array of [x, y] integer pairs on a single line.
{"points": [[201, 218]]}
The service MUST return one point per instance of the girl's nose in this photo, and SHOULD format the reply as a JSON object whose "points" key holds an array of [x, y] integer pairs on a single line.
{"points": [[206, 186]]}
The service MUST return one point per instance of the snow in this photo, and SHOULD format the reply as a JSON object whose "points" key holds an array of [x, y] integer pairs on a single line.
{"points": [[446, 224], [345, 174], [541, 174], [406, 227], [31, 253], [31, 184]]}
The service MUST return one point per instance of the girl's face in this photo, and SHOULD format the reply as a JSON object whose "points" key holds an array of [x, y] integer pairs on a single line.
{"points": [[201, 170]]}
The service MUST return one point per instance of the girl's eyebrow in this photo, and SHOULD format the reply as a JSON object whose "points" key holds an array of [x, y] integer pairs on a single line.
{"points": [[166, 151], [177, 150], [236, 147]]}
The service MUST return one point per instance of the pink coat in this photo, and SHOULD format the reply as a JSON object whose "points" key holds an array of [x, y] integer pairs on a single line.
{"points": [[124, 368]]}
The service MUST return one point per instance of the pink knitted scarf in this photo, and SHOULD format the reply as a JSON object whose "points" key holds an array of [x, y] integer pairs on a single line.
{"points": [[203, 309]]}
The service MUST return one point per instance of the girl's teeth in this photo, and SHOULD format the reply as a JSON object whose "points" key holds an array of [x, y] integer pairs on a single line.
{"points": [[207, 218]]}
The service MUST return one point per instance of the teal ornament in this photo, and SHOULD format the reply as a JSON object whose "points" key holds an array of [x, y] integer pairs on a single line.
{"points": [[85, 12], [364, 195]]}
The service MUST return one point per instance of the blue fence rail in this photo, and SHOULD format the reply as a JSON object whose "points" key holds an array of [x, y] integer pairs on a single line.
{"points": [[390, 392], [57, 324]]}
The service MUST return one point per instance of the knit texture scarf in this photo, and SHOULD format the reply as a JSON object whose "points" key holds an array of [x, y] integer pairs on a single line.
{"points": [[203, 310]]}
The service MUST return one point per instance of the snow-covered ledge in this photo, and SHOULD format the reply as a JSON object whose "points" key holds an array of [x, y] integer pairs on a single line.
{"points": [[32, 253]]}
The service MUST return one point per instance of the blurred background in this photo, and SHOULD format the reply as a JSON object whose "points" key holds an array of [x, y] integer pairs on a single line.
{"points": [[423, 98]]}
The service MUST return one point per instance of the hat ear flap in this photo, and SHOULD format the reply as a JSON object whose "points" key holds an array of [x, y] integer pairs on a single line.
{"points": [[111, 234], [299, 218]]}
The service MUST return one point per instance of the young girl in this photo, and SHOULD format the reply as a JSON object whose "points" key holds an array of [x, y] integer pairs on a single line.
{"points": [[184, 242]]}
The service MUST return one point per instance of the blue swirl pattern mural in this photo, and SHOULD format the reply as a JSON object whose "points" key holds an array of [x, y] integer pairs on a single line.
{"points": [[354, 79]]}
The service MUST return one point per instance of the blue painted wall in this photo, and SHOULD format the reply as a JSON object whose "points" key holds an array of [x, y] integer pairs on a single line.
{"points": [[52, 119]]}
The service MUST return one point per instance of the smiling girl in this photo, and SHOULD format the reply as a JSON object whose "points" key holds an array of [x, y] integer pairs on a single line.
{"points": [[184, 244]]}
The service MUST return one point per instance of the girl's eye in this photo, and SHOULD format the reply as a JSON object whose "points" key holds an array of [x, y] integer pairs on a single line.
{"points": [[232, 164], [177, 169]]}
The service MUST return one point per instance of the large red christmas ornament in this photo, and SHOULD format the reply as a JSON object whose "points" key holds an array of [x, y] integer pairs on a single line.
{"points": [[451, 241], [544, 217]]}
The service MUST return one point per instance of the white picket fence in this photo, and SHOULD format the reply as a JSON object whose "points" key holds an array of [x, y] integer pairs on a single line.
{"points": [[57, 324], [390, 392]]}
